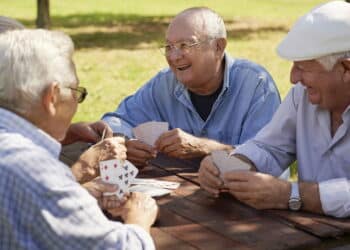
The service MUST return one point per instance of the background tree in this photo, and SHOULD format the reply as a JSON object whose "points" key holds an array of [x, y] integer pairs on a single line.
{"points": [[43, 14]]}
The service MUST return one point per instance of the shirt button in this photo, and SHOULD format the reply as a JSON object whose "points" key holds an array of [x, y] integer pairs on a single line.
{"points": [[204, 132]]}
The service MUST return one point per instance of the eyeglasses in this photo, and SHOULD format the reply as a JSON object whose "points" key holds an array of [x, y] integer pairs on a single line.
{"points": [[82, 93], [182, 47]]}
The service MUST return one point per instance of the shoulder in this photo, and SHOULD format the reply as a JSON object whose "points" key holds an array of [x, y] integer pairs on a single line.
{"points": [[247, 66], [29, 164]]}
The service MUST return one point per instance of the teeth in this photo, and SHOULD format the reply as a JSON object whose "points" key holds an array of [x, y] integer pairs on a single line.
{"points": [[183, 67]]}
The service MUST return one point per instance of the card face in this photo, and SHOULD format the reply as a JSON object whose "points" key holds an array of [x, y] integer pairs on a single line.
{"points": [[156, 183], [149, 132], [118, 172], [226, 162]]}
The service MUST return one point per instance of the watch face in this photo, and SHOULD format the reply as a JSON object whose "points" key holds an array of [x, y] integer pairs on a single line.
{"points": [[294, 204]]}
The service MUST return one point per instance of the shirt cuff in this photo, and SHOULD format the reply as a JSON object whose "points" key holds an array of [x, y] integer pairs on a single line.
{"points": [[144, 236], [335, 197]]}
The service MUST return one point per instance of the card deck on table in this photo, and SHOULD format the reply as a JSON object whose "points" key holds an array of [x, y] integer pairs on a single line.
{"points": [[226, 162], [118, 172], [150, 190], [156, 183], [149, 132]]}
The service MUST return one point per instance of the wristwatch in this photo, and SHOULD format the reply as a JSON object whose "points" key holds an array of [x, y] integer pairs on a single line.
{"points": [[294, 202]]}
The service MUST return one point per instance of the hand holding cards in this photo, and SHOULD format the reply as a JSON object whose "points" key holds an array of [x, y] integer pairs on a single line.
{"points": [[118, 172], [226, 162], [149, 132]]}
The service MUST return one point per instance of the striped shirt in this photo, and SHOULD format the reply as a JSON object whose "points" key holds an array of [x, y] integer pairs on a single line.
{"points": [[41, 204]]}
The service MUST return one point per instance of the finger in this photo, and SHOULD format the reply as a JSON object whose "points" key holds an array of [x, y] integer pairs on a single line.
{"points": [[238, 175], [136, 144], [104, 187], [166, 139], [212, 191], [208, 165]]}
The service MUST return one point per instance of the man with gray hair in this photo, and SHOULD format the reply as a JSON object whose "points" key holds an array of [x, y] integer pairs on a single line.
{"points": [[42, 205], [211, 101], [312, 125]]}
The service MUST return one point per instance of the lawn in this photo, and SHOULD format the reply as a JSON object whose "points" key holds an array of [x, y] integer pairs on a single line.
{"points": [[116, 41]]}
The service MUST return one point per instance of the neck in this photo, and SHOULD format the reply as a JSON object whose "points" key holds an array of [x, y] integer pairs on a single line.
{"points": [[213, 84]]}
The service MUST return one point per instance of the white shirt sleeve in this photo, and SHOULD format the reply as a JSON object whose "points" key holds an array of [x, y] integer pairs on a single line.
{"points": [[335, 197]]}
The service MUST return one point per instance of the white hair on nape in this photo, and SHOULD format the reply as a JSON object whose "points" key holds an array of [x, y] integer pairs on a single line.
{"points": [[31, 60], [7, 23], [329, 61], [213, 22]]}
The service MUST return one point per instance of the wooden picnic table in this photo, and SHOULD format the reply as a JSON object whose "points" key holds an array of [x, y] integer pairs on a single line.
{"points": [[191, 219]]}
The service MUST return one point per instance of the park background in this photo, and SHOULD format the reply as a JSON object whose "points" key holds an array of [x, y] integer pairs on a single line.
{"points": [[117, 41]]}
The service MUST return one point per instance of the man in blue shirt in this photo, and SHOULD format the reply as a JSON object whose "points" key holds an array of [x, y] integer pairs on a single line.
{"points": [[42, 204], [210, 100]]}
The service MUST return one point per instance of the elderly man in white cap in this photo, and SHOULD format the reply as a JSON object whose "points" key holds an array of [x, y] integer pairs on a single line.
{"points": [[312, 125]]}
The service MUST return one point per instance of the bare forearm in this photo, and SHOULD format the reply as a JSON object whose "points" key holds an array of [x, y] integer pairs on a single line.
{"points": [[207, 146], [310, 197]]}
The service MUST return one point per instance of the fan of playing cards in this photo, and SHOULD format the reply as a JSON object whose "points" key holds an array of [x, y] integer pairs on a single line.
{"points": [[123, 174], [226, 162], [149, 132]]}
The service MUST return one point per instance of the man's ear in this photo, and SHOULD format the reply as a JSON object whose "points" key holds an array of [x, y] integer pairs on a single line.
{"points": [[346, 65], [50, 98], [221, 45]]}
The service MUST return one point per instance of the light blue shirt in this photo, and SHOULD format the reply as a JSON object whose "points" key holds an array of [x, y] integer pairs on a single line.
{"points": [[246, 103], [301, 131], [41, 204]]}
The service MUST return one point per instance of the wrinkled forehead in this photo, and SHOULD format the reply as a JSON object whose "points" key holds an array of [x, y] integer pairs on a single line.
{"points": [[187, 26]]}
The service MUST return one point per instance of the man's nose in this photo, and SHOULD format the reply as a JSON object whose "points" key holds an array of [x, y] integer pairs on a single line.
{"points": [[295, 75], [175, 53]]}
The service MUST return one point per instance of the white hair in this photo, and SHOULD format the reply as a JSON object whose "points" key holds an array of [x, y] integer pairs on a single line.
{"points": [[7, 23], [31, 60], [213, 23], [329, 61]]}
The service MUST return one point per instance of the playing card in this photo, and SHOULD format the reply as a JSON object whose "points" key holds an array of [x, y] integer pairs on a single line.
{"points": [[149, 132], [118, 172], [156, 183], [226, 162], [150, 190]]}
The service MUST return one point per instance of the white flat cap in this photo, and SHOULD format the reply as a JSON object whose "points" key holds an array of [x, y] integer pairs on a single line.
{"points": [[323, 31]]}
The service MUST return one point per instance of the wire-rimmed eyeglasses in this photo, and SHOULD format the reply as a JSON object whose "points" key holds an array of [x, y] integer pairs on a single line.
{"points": [[81, 93], [183, 47]]}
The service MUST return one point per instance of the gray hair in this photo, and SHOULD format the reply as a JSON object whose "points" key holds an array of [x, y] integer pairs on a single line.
{"points": [[7, 23], [31, 60], [329, 61], [213, 23]]}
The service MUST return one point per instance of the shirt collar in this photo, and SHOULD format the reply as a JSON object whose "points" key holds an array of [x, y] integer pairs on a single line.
{"points": [[14, 123]]}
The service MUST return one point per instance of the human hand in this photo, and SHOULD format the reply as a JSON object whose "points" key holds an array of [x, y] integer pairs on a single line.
{"points": [[209, 176], [139, 153], [140, 209], [97, 187], [87, 132], [87, 166], [258, 190], [177, 143]]}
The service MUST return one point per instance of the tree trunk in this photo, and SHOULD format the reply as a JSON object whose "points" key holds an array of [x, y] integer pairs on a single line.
{"points": [[43, 14]]}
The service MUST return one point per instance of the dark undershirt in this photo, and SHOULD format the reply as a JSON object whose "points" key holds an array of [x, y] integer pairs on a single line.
{"points": [[204, 103]]}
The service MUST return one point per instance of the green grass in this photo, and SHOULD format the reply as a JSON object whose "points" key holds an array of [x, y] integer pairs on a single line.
{"points": [[116, 41]]}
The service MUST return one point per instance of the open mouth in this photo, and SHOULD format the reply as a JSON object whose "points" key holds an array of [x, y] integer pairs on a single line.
{"points": [[182, 68]]}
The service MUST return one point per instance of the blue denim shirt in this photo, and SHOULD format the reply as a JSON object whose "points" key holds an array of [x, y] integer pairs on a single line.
{"points": [[248, 99]]}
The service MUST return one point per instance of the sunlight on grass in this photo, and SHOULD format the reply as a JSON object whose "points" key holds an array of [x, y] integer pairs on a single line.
{"points": [[116, 41]]}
